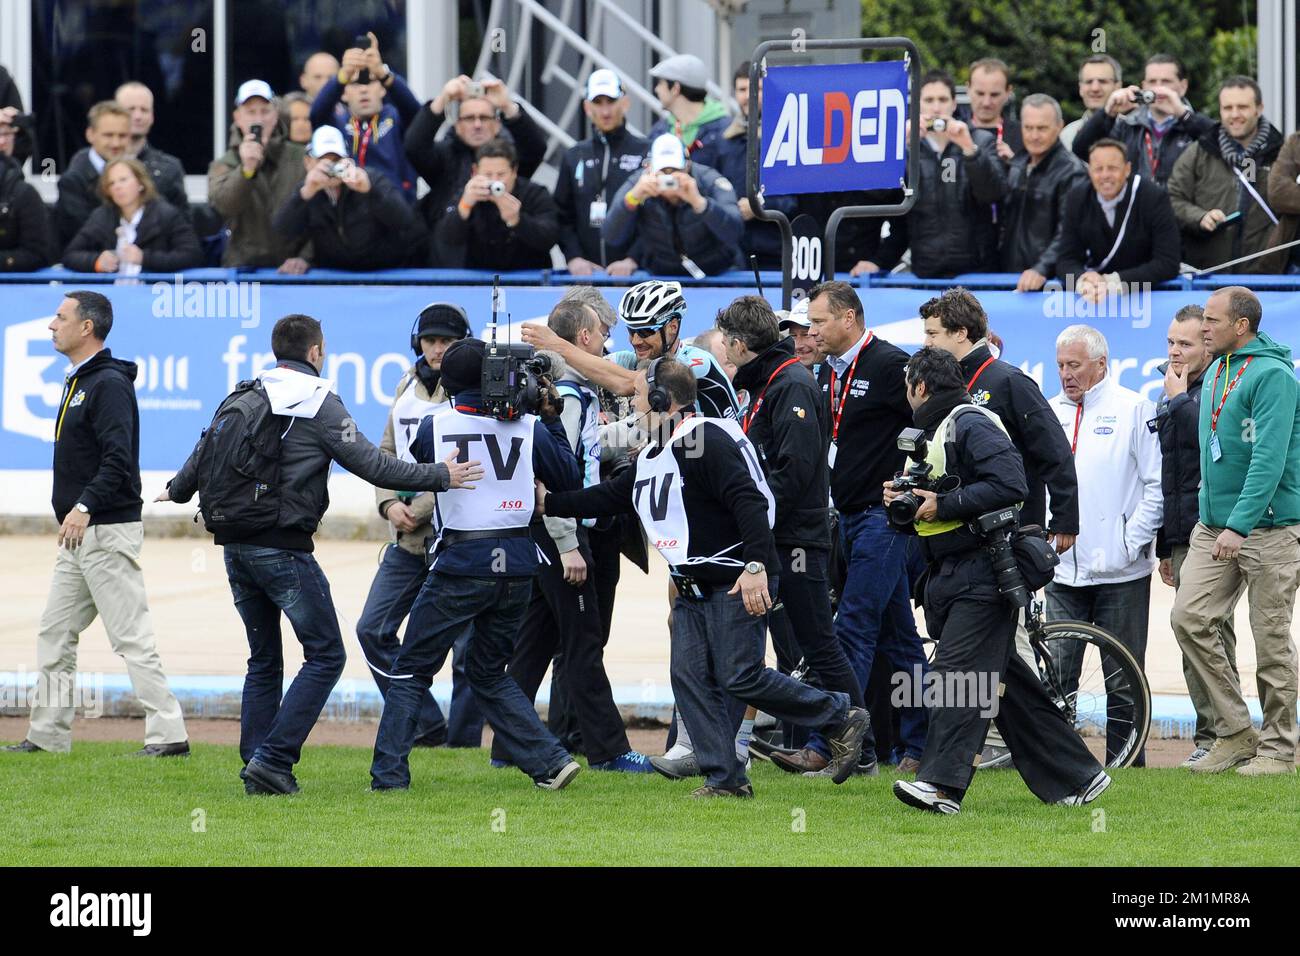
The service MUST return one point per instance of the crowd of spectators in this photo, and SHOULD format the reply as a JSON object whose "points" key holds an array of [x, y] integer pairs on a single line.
{"points": [[1138, 186]]}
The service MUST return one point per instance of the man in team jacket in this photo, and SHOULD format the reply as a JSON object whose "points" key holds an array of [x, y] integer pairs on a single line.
{"points": [[704, 503], [785, 421]]}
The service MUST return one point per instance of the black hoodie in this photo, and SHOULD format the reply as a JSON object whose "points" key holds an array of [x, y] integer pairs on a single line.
{"points": [[97, 442]]}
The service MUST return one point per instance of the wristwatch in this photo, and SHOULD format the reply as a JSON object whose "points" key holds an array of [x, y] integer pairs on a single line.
{"points": [[82, 508], [755, 567]]}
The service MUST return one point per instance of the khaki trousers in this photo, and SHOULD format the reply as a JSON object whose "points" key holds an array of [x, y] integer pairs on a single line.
{"points": [[102, 577], [1204, 733], [1268, 566]]}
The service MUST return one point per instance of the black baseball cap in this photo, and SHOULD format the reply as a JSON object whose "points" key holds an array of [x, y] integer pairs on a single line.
{"points": [[442, 318], [462, 366]]}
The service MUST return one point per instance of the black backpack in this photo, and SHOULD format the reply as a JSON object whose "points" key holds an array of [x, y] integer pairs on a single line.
{"points": [[239, 464]]}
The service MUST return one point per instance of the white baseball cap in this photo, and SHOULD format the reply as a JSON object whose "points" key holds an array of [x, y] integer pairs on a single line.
{"points": [[604, 83], [667, 152], [798, 317], [250, 88], [326, 140]]}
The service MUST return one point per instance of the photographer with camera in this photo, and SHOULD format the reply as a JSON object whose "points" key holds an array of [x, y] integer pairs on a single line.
{"points": [[484, 110], [26, 237], [503, 222], [683, 216], [353, 219], [951, 229], [253, 180], [703, 501], [962, 495], [484, 558], [380, 106], [1153, 121]]}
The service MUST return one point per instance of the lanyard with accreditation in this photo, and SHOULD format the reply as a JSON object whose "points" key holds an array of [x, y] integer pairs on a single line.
{"points": [[1215, 451], [837, 407]]}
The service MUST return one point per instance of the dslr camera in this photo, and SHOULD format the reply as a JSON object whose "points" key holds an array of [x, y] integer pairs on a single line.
{"points": [[996, 528], [902, 510]]}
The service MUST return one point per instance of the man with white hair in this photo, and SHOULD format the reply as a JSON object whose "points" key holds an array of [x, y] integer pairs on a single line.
{"points": [[1105, 579]]}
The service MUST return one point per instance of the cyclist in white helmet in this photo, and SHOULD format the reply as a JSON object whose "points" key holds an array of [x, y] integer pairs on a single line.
{"points": [[653, 311]]}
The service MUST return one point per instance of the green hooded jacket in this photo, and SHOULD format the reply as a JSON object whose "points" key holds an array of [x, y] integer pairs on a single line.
{"points": [[1256, 481]]}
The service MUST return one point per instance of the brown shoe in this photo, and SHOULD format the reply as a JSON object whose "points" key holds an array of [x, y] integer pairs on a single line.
{"points": [[909, 765], [744, 792], [801, 761]]}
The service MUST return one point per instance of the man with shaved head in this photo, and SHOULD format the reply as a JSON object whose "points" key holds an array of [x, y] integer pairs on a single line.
{"points": [[1248, 536]]}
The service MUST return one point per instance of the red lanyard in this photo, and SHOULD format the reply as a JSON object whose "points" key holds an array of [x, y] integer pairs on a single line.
{"points": [[359, 151], [753, 409], [1214, 418], [1151, 156], [978, 372], [1078, 417], [999, 129], [837, 412]]}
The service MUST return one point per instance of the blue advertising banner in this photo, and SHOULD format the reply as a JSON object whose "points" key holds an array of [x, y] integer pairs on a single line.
{"points": [[193, 341], [833, 128]]}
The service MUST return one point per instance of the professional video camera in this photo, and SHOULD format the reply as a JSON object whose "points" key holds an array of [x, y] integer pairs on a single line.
{"points": [[516, 378], [902, 510]]}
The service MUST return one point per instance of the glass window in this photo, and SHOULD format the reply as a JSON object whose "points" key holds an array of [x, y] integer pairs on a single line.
{"points": [[82, 50]]}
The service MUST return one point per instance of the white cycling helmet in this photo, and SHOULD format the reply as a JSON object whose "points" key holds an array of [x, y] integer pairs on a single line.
{"points": [[651, 304]]}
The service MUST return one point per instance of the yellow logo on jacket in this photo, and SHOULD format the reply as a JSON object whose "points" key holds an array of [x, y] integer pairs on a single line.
{"points": [[77, 399]]}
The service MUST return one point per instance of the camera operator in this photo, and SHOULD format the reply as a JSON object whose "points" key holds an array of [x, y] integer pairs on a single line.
{"points": [[968, 611], [703, 501], [502, 222], [402, 569], [483, 564], [355, 219]]}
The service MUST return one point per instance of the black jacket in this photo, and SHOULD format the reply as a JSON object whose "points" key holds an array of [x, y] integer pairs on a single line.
{"points": [[362, 231], [484, 241], [25, 240], [789, 431], [445, 163], [761, 239], [593, 169], [10, 96], [1151, 247], [164, 235], [723, 505], [97, 442], [1032, 213], [1011, 134], [308, 447], [950, 229], [1133, 130], [1045, 452], [857, 239], [1178, 424], [79, 189], [662, 232], [875, 410]]}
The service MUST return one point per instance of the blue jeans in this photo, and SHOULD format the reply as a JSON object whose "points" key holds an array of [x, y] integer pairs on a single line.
{"points": [[447, 604], [875, 611], [264, 582], [717, 659], [392, 593]]}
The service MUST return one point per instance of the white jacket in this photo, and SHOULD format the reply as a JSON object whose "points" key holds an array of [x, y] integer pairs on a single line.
{"points": [[1117, 459]]}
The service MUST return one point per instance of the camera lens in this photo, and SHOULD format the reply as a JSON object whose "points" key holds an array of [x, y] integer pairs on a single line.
{"points": [[1147, 96], [1011, 585], [497, 188], [902, 510], [939, 125]]}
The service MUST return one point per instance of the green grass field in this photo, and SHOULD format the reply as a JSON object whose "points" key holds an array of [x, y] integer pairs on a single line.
{"points": [[97, 808]]}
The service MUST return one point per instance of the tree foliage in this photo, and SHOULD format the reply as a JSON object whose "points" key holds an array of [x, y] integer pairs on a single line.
{"points": [[1044, 41]]}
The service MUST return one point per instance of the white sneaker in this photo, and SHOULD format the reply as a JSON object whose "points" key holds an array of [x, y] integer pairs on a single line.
{"points": [[1087, 793], [925, 796]]}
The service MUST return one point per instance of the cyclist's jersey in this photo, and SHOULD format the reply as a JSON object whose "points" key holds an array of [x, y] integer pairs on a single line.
{"points": [[715, 398]]}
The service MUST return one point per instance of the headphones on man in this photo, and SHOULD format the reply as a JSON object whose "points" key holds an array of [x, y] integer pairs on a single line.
{"points": [[415, 326], [658, 397]]}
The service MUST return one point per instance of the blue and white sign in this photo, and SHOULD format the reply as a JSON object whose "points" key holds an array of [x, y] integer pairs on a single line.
{"points": [[833, 128]]}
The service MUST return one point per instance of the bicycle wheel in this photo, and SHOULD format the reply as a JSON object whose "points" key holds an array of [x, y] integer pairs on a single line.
{"points": [[1110, 696]]}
